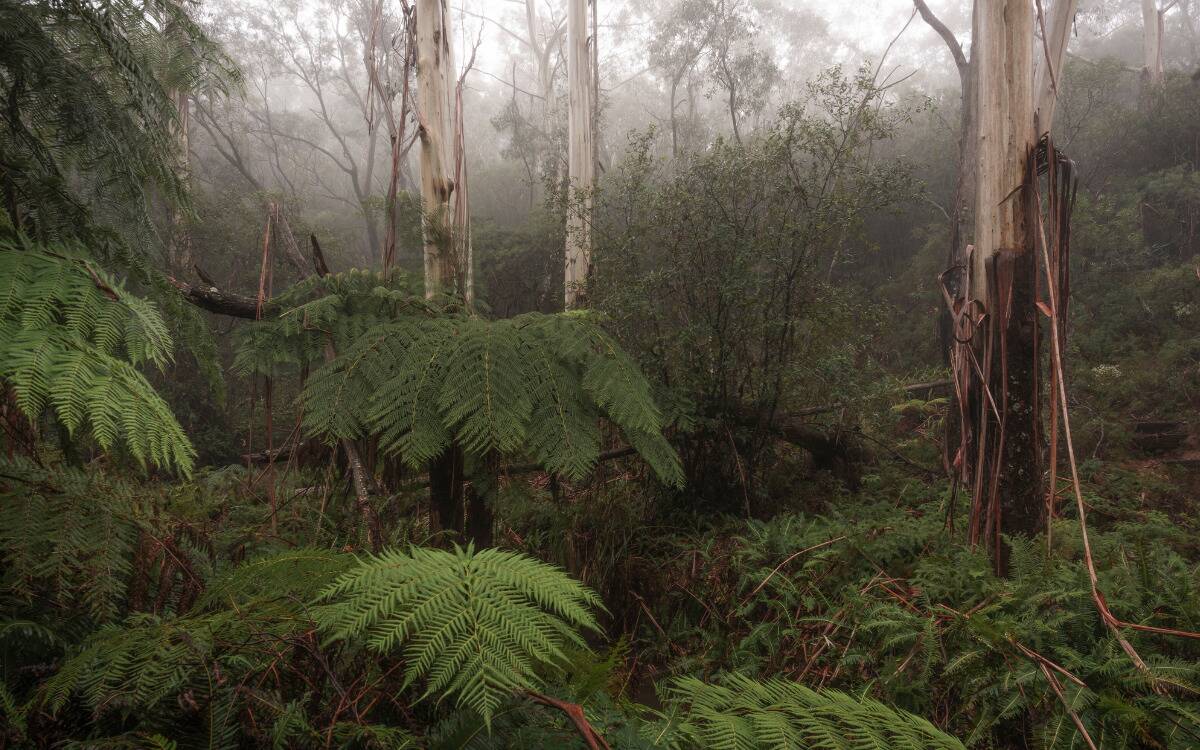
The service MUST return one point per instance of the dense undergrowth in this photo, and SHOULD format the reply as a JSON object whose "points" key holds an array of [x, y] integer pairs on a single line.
{"points": [[710, 513], [139, 613]]}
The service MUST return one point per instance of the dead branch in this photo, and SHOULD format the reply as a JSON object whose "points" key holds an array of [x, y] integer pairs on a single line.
{"points": [[935, 23], [209, 297]]}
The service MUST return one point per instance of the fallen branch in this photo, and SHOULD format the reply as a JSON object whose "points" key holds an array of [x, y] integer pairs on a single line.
{"points": [[210, 298], [933, 385]]}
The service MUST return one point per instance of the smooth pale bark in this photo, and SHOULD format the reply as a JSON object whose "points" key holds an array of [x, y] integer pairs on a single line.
{"points": [[961, 212], [1152, 33], [434, 61], [1048, 69], [1003, 47], [581, 170]]}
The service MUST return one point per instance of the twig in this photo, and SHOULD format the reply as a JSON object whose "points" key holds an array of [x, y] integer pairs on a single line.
{"points": [[790, 557]]}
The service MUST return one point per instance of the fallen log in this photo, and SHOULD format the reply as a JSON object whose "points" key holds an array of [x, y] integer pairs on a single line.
{"points": [[209, 297]]}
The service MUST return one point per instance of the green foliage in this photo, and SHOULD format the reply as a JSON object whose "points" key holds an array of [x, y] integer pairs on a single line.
{"points": [[877, 596], [535, 384], [71, 338], [740, 713], [67, 537], [717, 269], [90, 114], [476, 625], [337, 308]]}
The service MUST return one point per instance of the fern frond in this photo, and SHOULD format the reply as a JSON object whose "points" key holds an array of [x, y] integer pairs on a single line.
{"points": [[533, 385], [476, 626], [739, 713], [71, 337]]}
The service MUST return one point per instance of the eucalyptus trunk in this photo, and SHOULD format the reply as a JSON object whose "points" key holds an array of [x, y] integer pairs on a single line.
{"points": [[581, 169], [435, 61], [1004, 273]]}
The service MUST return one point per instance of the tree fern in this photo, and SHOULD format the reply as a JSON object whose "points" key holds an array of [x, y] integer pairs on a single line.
{"points": [[70, 339], [535, 384], [738, 712], [476, 626], [89, 112]]}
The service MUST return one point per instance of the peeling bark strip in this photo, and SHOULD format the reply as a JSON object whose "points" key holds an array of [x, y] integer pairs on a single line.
{"points": [[581, 166]]}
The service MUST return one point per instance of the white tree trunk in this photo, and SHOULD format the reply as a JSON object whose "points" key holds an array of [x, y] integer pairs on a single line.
{"points": [[1152, 31], [1048, 75], [435, 65], [1003, 50], [581, 169]]}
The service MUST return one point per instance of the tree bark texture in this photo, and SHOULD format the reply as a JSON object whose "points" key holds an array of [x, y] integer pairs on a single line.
{"points": [[581, 169], [435, 64], [1008, 471]]}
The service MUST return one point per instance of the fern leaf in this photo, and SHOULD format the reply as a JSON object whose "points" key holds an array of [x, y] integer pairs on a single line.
{"points": [[477, 626]]}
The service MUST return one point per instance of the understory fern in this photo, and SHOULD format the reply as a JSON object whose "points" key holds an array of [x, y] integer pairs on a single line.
{"points": [[71, 340], [535, 385], [738, 713], [477, 626], [422, 375], [65, 539]]}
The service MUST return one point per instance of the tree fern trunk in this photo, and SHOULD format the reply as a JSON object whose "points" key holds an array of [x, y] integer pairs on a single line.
{"points": [[446, 491]]}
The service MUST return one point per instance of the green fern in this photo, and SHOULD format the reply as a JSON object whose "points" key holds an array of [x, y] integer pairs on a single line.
{"points": [[90, 116], [740, 713], [71, 338], [66, 538], [477, 626], [535, 384]]}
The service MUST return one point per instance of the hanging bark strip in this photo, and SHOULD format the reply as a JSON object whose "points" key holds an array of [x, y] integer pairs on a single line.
{"points": [[1055, 257]]}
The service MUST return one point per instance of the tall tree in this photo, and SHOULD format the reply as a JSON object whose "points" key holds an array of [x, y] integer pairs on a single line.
{"points": [[581, 158], [435, 63], [1003, 276], [681, 39], [1152, 38]]}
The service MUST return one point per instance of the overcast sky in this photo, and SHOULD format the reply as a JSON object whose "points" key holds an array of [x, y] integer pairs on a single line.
{"points": [[860, 28]]}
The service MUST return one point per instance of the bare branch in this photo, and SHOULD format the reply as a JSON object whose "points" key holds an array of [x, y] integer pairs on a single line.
{"points": [[935, 23]]}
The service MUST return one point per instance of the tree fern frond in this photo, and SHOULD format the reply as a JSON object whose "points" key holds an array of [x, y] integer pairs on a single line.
{"points": [[533, 385], [477, 626], [738, 712], [69, 339]]}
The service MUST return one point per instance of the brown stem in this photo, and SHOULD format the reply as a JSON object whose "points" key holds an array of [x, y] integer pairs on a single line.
{"points": [[574, 712]]}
